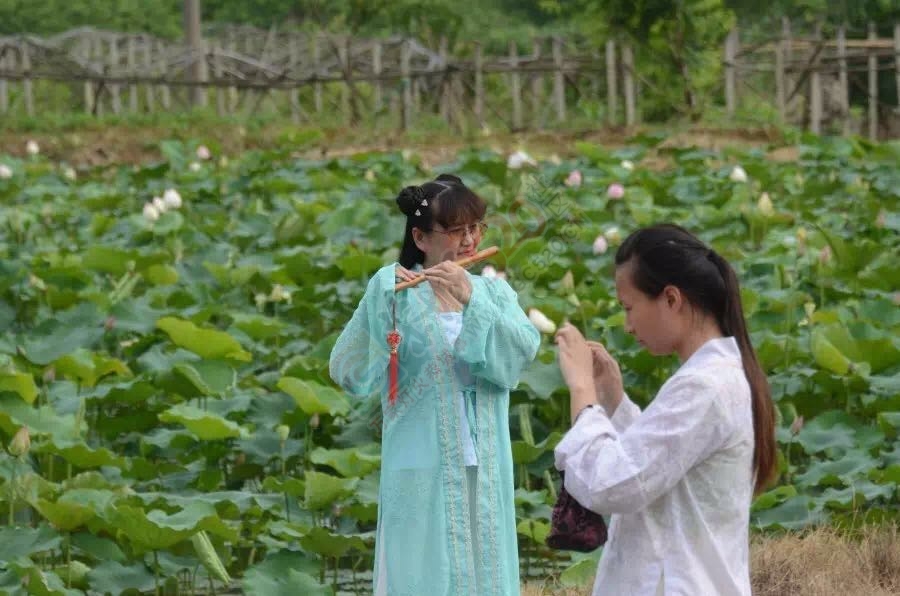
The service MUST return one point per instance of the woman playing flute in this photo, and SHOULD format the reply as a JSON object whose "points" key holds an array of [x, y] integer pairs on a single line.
{"points": [[446, 517]]}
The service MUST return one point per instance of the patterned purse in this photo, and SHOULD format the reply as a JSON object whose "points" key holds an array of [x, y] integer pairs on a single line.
{"points": [[573, 526]]}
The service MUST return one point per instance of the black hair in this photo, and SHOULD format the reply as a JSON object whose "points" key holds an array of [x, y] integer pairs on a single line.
{"points": [[444, 200], [668, 255]]}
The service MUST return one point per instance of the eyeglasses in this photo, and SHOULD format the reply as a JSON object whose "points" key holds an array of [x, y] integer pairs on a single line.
{"points": [[460, 232]]}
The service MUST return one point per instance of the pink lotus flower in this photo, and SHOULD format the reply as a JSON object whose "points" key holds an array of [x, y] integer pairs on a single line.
{"points": [[615, 191], [600, 245], [797, 425], [203, 152], [574, 179]]}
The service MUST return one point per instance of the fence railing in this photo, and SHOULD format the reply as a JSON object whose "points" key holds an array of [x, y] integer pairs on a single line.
{"points": [[808, 80]]}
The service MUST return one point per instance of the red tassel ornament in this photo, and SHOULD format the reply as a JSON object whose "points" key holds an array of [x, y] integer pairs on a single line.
{"points": [[393, 341]]}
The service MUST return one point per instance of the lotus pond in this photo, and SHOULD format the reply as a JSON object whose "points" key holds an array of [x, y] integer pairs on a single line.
{"points": [[169, 360]]}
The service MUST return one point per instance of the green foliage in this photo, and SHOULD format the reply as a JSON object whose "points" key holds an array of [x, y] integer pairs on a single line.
{"points": [[174, 377]]}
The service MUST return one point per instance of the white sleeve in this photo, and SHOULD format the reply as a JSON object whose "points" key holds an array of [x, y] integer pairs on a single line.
{"points": [[625, 415], [609, 471]]}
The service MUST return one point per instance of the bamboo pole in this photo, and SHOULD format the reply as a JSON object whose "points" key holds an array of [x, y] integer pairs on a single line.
{"points": [[815, 87], [559, 90], [844, 99], [515, 86], [611, 85], [628, 67], [873, 87]]}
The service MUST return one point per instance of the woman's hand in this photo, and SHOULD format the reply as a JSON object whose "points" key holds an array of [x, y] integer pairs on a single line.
{"points": [[402, 274], [576, 365], [449, 280], [607, 378]]}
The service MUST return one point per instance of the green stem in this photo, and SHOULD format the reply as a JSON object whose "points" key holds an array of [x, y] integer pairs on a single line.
{"points": [[69, 559], [12, 498], [156, 571]]}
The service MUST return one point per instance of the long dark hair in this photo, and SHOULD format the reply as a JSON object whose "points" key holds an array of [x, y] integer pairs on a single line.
{"points": [[668, 255], [445, 200]]}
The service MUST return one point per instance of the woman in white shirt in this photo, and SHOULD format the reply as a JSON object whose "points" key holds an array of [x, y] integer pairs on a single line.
{"points": [[677, 479]]}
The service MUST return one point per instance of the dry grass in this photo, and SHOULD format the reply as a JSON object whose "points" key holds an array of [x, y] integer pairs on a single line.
{"points": [[821, 562]]}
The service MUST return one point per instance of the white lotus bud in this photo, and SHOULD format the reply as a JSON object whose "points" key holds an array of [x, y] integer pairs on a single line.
{"points": [[568, 282], [194, 166], [613, 235], [172, 199], [160, 205], [738, 174], [260, 299], [765, 205], [203, 152], [283, 431], [32, 148], [541, 322], [5, 172], [69, 174], [151, 213], [21, 442], [279, 294], [627, 164], [600, 245], [810, 308], [369, 175], [519, 159]]}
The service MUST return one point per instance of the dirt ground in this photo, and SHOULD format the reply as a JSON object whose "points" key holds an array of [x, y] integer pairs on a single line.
{"points": [[100, 145]]}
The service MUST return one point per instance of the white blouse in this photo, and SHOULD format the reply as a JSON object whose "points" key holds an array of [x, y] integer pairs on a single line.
{"points": [[451, 322], [676, 481]]}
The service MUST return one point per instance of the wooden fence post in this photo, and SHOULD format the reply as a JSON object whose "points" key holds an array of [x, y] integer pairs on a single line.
{"points": [[815, 83], [378, 91], [787, 41], [780, 91], [537, 87], [731, 50], [515, 86], [873, 85], [132, 70], [559, 82], [4, 90], [897, 60], [479, 86], [628, 67], [406, 105], [317, 64], [26, 81], [844, 99], [611, 86]]}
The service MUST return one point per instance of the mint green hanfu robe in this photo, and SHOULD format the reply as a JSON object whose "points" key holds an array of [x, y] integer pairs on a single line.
{"points": [[431, 541]]}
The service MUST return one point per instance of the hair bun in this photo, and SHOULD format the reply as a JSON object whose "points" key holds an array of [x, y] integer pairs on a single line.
{"points": [[449, 178], [410, 199]]}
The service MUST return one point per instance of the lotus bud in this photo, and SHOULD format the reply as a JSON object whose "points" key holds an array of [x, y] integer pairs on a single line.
{"points": [[765, 205], [797, 425], [801, 234], [21, 442], [615, 191], [110, 323], [260, 299], [283, 431], [370, 175], [49, 374], [151, 213], [32, 148], [279, 294], [810, 308], [567, 282], [541, 322], [573, 300], [574, 179], [36, 282], [336, 510], [488, 272], [194, 166], [738, 174], [203, 152], [519, 159], [600, 245], [70, 174], [172, 199], [5, 172], [613, 235], [160, 204], [881, 220], [825, 255], [627, 164], [314, 421]]}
